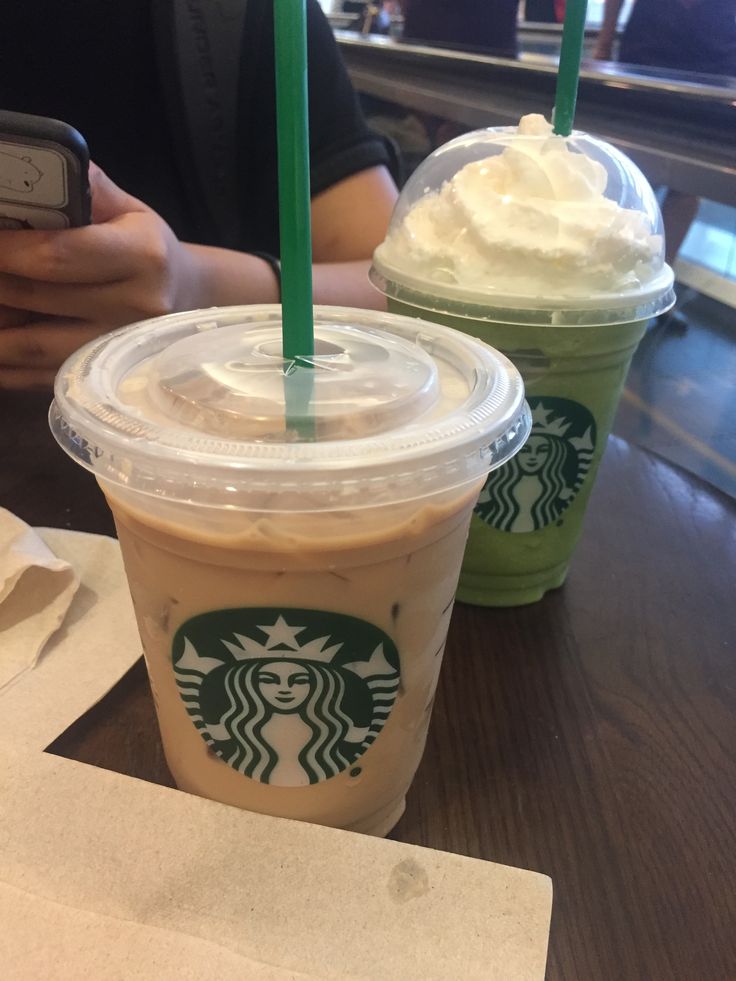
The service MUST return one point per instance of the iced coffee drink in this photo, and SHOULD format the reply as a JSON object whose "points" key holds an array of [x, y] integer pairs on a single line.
{"points": [[292, 550], [550, 249]]}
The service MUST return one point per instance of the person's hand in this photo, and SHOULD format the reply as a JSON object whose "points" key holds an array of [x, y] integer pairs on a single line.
{"points": [[60, 289], [10, 317]]}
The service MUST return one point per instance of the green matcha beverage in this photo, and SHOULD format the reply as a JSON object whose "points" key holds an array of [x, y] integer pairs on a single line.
{"points": [[550, 249]]}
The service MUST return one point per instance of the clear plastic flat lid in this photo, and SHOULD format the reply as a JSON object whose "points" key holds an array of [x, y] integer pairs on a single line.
{"points": [[236, 385], [195, 406], [518, 225]]}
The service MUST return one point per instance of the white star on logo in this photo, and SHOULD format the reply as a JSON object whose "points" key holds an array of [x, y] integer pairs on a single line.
{"points": [[280, 633]]}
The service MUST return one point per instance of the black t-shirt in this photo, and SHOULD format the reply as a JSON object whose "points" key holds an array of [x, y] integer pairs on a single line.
{"points": [[697, 37], [94, 64]]}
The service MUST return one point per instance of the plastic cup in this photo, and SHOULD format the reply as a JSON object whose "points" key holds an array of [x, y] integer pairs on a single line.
{"points": [[569, 323], [292, 537]]}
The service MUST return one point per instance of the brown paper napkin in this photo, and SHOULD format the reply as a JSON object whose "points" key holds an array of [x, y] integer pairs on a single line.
{"points": [[36, 589]]}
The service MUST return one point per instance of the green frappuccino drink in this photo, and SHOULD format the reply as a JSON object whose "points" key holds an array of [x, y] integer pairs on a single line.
{"points": [[551, 250]]}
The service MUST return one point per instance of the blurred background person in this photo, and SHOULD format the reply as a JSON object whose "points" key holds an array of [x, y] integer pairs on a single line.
{"points": [[685, 35], [681, 35], [482, 25], [489, 25], [377, 17], [544, 11]]}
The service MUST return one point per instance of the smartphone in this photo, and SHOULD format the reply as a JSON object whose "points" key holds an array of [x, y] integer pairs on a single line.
{"points": [[44, 166]]}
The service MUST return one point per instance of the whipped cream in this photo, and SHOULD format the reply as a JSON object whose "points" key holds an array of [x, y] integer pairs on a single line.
{"points": [[530, 221]]}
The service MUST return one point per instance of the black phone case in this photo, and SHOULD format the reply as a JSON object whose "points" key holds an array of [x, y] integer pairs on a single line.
{"points": [[43, 173]]}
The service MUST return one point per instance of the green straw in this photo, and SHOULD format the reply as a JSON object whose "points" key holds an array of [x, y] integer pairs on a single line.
{"points": [[573, 32], [292, 126]]}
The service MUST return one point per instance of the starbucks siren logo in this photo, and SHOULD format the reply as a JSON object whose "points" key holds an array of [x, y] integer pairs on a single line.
{"points": [[535, 487], [285, 696]]}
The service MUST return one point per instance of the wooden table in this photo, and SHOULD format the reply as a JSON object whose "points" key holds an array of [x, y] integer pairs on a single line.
{"points": [[590, 736]]}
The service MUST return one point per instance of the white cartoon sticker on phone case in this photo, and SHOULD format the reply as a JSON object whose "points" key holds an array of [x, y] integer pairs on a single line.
{"points": [[32, 175]]}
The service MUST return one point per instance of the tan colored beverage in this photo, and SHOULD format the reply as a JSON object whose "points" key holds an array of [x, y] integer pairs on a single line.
{"points": [[399, 575], [293, 555]]}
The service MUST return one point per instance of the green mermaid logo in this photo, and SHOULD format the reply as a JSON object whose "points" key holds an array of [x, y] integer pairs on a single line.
{"points": [[535, 487], [276, 698]]}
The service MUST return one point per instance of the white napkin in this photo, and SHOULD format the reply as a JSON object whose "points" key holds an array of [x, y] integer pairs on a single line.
{"points": [[36, 589]]}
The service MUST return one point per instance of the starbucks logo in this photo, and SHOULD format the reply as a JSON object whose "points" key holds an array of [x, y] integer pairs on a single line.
{"points": [[535, 487], [287, 697]]}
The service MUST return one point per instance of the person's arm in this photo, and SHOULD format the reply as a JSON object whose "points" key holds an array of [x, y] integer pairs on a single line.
{"points": [[349, 220], [352, 193], [61, 289], [607, 34], [76, 284]]}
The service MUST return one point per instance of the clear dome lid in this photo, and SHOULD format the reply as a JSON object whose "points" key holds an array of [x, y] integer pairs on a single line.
{"points": [[517, 225], [201, 407]]}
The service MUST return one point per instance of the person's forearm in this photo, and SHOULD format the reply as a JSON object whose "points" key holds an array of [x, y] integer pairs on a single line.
{"points": [[346, 284], [611, 11], [224, 277]]}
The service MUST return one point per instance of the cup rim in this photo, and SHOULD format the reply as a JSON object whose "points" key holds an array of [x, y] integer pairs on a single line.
{"points": [[652, 299], [106, 436]]}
